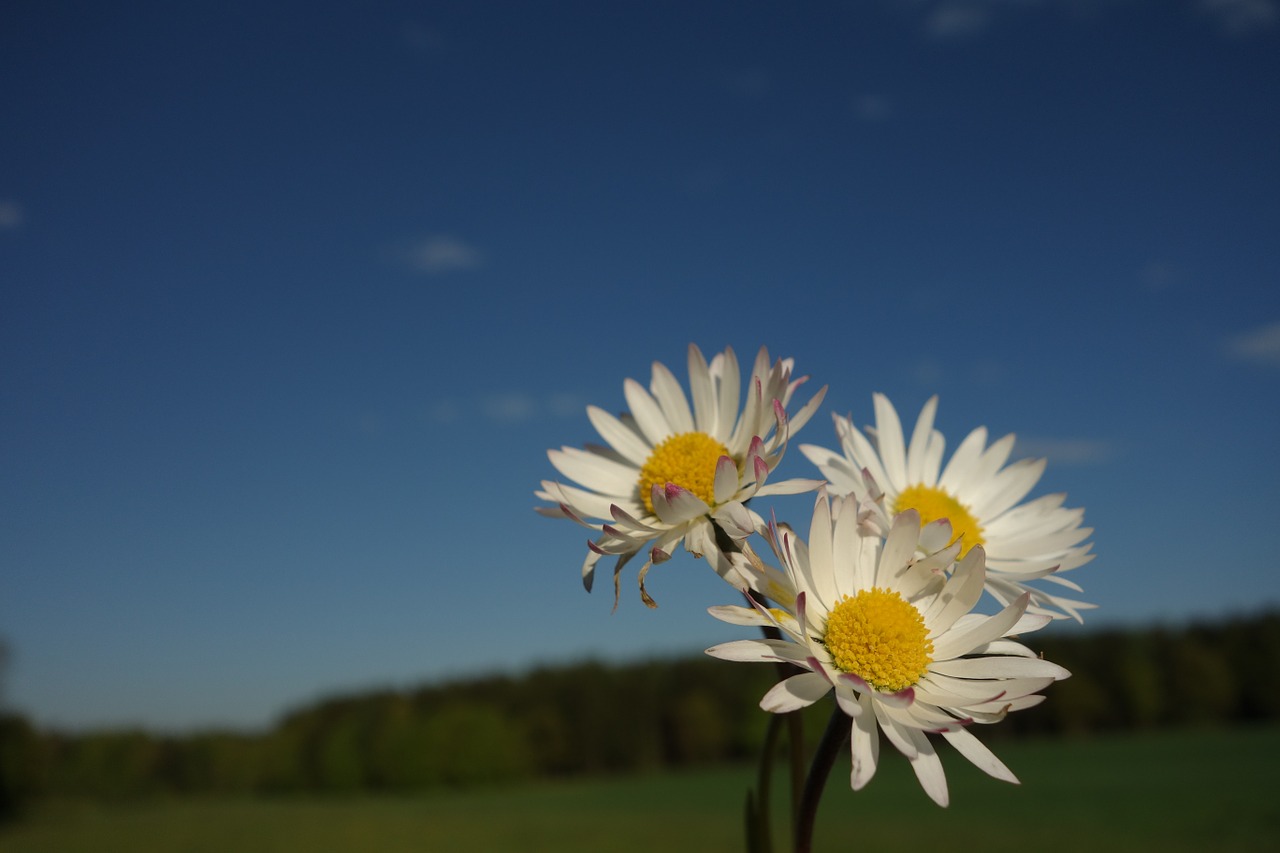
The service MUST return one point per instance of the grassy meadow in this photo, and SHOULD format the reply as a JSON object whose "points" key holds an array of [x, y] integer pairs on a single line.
{"points": [[1168, 791]]}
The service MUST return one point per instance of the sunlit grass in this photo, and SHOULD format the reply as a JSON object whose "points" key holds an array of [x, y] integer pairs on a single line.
{"points": [[1179, 791]]}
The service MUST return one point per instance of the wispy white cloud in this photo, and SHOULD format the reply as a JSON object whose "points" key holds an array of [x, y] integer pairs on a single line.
{"points": [[965, 19], [423, 39], [1065, 451], [566, 405], [436, 254], [872, 109], [957, 20], [1258, 346], [1242, 17], [12, 214], [1159, 276], [443, 412], [510, 407], [749, 84]]}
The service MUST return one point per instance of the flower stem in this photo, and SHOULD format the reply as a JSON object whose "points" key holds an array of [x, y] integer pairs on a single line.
{"points": [[795, 735], [759, 831], [833, 739]]}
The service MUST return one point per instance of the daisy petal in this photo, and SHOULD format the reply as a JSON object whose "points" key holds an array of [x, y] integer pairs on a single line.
{"points": [[798, 691]]}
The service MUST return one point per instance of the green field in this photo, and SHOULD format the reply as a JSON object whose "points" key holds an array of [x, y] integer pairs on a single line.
{"points": [[1169, 792]]}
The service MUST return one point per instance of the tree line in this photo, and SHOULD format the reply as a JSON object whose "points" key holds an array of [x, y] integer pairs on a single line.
{"points": [[592, 718]]}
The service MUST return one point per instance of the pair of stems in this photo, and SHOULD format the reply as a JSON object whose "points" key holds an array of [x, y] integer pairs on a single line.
{"points": [[806, 789]]}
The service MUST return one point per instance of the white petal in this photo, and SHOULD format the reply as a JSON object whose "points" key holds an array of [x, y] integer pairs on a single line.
{"points": [[725, 485], [702, 391], [726, 376], [802, 416], [920, 436], [899, 546], [978, 753], [842, 475], [864, 746], [675, 505], [961, 593], [621, 438], [735, 519], [955, 643], [956, 477], [760, 651], [648, 414], [794, 486], [735, 614], [928, 768], [1012, 485], [798, 691], [818, 572], [670, 396], [859, 449], [999, 667], [598, 473], [889, 440]]}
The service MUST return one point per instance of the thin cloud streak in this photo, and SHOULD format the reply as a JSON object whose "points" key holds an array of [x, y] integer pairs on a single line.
{"points": [[514, 407], [1242, 18], [1257, 346], [12, 214], [1065, 451], [437, 254], [957, 20]]}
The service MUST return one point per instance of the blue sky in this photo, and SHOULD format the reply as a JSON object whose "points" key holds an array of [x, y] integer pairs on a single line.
{"points": [[295, 296]]}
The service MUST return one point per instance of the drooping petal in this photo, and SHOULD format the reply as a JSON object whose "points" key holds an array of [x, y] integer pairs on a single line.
{"points": [[864, 746], [978, 753]]}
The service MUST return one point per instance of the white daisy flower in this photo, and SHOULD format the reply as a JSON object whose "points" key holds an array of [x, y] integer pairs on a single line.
{"points": [[672, 473], [892, 634], [976, 492]]}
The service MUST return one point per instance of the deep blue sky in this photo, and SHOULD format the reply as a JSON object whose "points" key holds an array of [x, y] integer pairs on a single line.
{"points": [[295, 296]]}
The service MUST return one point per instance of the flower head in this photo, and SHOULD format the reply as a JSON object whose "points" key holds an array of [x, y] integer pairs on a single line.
{"points": [[891, 632], [673, 473], [975, 492]]}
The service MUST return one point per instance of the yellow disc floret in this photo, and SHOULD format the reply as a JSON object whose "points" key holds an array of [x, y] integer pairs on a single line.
{"points": [[880, 637], [934, 503], [688, 460]]}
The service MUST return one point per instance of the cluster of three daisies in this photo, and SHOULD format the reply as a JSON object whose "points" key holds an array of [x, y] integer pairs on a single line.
{"points": [[877, 602]]}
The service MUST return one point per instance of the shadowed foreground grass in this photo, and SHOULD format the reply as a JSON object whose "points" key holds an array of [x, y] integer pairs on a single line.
{"points": [[1170, 792]]}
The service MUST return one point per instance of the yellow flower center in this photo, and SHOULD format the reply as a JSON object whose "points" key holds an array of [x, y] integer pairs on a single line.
{"points": [[933, 503], [688, 460], [880, 637]]}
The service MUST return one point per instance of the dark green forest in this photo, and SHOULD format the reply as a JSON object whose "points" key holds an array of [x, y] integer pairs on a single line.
{"points": [[592, 718]]}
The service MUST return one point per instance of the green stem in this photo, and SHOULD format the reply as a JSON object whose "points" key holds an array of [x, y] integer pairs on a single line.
{"points": [[833, 739], [760, 827], [795, 731]]}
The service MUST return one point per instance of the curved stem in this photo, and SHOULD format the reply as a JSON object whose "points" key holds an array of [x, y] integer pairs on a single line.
{"points": [[833, 739], [795, 730], [759, 830]]}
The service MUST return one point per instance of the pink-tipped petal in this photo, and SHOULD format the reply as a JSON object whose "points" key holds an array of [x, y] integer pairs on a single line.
{"points": [[676, 505], [726, 480]]}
